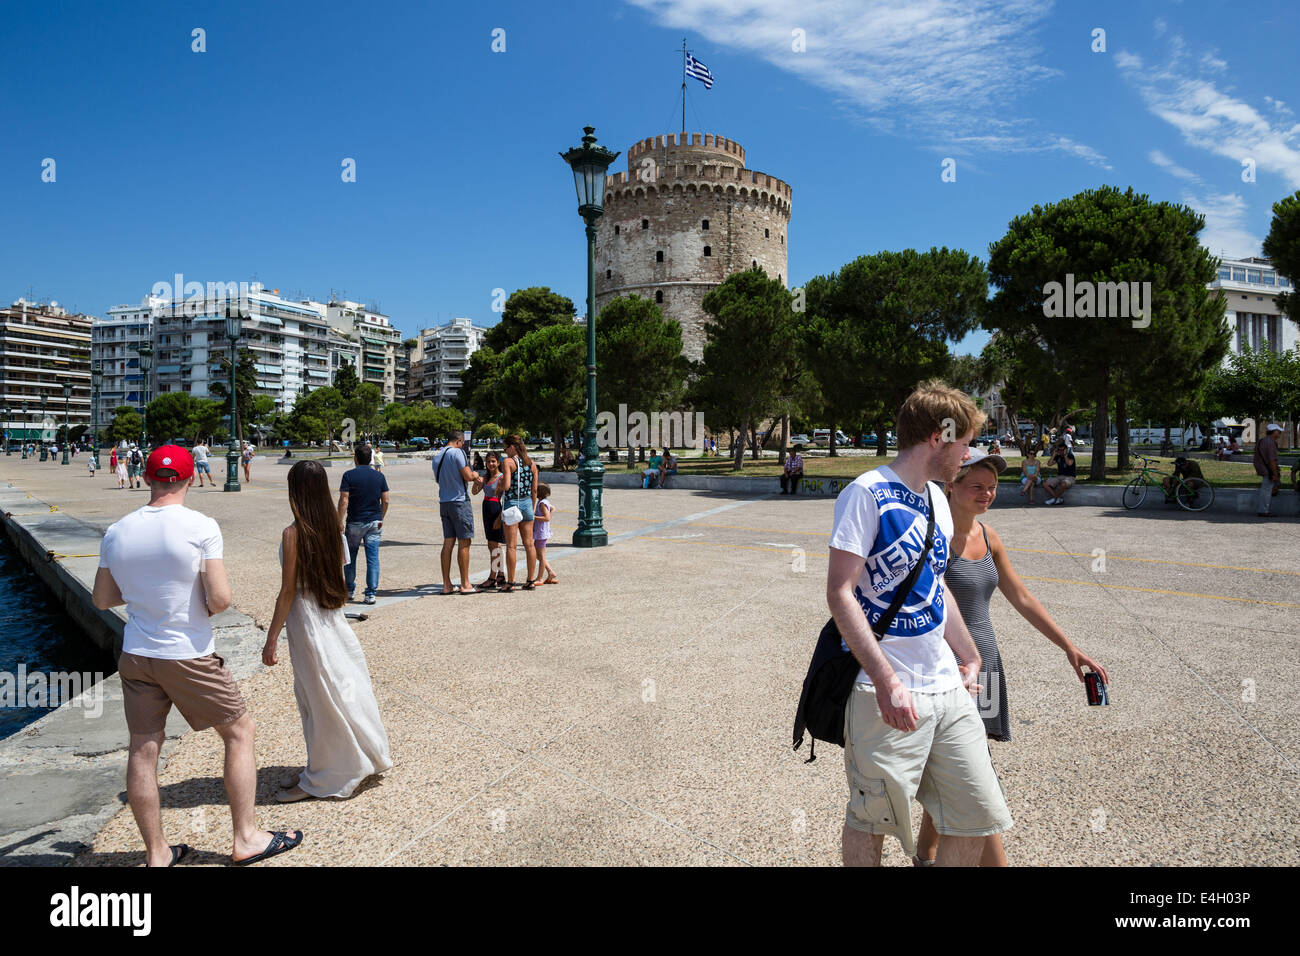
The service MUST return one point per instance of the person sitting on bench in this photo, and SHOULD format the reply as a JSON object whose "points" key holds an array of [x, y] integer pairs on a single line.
{"points": [[793, 471]]}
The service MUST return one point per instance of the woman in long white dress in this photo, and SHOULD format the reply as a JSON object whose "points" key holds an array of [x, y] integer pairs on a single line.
{"points": [[346, 740]]}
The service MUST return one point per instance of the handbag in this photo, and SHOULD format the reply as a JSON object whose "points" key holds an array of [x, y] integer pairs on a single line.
{"points": [[833, 670], [512, 516]]}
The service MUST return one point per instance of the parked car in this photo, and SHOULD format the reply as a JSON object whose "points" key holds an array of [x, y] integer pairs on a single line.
{"points": [[800, 439], [388, 446], [420, 442]]}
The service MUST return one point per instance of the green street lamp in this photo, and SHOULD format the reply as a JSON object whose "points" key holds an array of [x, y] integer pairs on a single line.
{"points": [[24, 429], [146, 363], [589, 163], [96, 378], [8, 450], [45, 452], [234, 323], [67, 431]]}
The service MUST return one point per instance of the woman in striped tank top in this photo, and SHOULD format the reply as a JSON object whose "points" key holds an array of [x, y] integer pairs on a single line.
{"points": [[978, 564], [519, 477]]}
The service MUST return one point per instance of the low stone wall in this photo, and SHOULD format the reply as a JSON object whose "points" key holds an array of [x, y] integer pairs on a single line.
{"points": [[1226, 500]]}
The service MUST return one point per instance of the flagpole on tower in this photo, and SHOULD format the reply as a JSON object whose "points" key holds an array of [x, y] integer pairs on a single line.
{"points": [[683, 84]]}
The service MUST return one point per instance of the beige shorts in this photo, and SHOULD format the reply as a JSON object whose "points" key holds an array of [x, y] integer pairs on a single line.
{"points": [[944, 763], [202, 689]]}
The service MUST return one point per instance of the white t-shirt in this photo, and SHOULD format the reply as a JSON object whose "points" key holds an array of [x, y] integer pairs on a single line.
{"points": [[155, 555], [882, 520], [199, 453]]}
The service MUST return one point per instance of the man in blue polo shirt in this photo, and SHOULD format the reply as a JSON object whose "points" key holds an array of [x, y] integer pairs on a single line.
{"points": [[363, 504]]}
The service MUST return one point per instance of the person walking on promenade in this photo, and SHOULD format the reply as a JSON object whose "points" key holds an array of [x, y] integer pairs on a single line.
{"points": [[164, 562], [1266, 466], [346, 740], [1065, 473], [135, 463], [492, 527], [377, 461], [542, 534], [363, 504], [454, 476], [90, 463], [978, 565], [519, 475], [118, 467], [202, 468], [247, 458], [911, 726]]}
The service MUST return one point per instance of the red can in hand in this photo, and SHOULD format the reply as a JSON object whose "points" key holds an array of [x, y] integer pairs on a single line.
{"points": [[1096, 689]]}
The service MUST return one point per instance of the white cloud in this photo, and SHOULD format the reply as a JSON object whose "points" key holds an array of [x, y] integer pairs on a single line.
{"points": [[948, 71], [1225, 232], [1167, 164], [1280, 106], [1210, 118]]}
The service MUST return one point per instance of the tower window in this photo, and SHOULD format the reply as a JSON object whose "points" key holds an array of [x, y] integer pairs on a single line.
{"points": [[645, 223], [767, 234], [708, 250], [659, 255], [704, 224], [782, 237], [754, 264], [616, 230], [609, 273], [659, 296]]}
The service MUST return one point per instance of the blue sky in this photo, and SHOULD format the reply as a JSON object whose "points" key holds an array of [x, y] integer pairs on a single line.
{"points": [[225, 165]]}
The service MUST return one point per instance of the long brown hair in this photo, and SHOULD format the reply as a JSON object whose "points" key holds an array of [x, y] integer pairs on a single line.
{"points": [[519, 443], [320, 539]]}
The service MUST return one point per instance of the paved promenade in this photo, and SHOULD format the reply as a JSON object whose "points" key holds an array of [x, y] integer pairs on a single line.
{"points": [[640, 711]]}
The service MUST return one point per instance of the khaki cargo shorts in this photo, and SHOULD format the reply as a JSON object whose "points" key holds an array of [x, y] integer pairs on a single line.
{"points": [[202, 688], [944, 763]]}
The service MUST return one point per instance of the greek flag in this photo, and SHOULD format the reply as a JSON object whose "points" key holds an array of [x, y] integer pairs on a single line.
{"points": [[698, 70]]}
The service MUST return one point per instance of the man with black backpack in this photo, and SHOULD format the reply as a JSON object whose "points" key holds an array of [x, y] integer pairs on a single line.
{"points": [[135, 465], [911, 727]]}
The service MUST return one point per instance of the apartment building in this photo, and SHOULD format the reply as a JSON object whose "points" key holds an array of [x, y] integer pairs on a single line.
{"points": [[42, 347], [115, 342], [445, 352], [377, 339]]}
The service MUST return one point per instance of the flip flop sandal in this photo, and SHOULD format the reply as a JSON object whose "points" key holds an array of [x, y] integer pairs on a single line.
{"points": [[526, 587], [179, 852], [506, 588], [281, 842], [471, 591]]}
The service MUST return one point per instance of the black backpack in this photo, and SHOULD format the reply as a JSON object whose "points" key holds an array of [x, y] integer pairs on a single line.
{"points": [[831, 674]]}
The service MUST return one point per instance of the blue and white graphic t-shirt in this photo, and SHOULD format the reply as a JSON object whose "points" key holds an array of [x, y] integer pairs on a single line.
{"points": [[883, 521]]}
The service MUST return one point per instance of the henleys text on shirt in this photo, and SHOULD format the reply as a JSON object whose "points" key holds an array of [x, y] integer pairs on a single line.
{"points": [[897, 492]]}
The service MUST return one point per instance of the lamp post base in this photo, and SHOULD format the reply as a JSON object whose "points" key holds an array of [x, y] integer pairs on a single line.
{"points": [[591, 485], [232, 470]]}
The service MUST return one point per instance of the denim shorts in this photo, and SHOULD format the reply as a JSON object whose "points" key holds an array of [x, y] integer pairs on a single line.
{"points": [[525, 506]]}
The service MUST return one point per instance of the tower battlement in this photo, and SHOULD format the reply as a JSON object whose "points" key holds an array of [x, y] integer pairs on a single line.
{"points": [[687, 147], [684, 215]]}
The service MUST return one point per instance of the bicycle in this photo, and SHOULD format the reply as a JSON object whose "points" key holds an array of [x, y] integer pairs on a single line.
{"points": [[1192, 494]]}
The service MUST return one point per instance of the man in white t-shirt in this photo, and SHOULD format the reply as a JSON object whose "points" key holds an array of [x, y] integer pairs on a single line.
{"points": [[911, 727], [202, 468], [164, 562]]}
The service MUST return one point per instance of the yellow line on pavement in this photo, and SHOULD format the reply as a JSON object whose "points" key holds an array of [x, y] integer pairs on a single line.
{"points": [[1186, 594]]}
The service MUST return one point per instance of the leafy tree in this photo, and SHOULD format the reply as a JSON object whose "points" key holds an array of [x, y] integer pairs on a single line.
{"points": [[205, 417], [480, 385], [542, 382], [363, 408], [526, 311], [316, 416], [750, 334], [125, 425], [489, 430], [1259, 384], [346, 381], [1282, 245], [169, 415], [638, 356], [903, 305], [1108, 236], [245, 383]]}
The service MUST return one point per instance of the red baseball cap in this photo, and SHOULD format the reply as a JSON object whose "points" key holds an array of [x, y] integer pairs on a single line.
{"points": [[173, 461]]}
